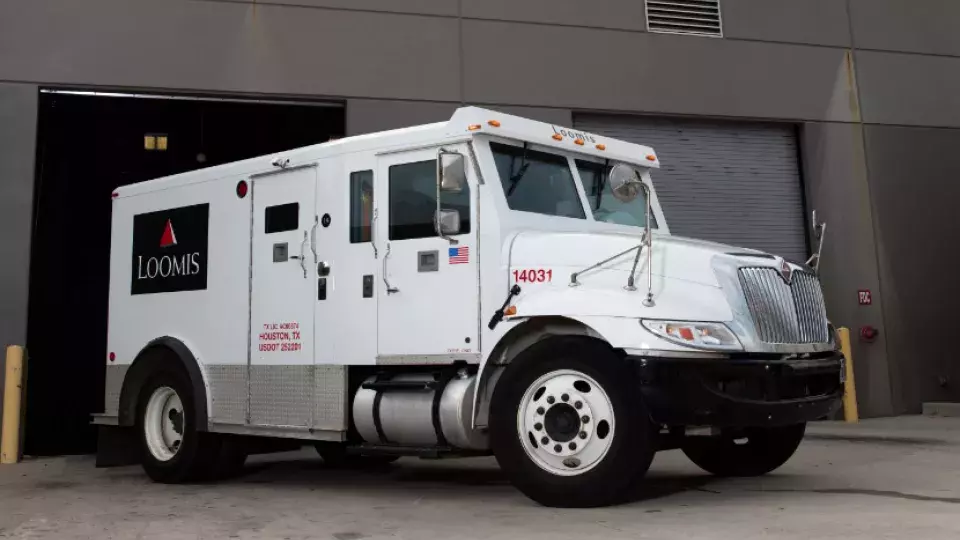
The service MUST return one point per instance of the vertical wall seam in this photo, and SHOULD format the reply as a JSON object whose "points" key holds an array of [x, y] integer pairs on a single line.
{"points": [[460, 59], [893, 371]]}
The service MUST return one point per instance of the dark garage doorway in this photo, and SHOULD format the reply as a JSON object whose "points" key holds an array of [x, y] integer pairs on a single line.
{"points": [[88, 145]]}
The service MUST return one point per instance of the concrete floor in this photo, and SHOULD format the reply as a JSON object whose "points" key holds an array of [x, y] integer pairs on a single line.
{"points": [[892, 478]]}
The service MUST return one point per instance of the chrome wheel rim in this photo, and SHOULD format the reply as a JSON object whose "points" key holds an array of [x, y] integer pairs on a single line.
{"points": [[163, 421], [565, 422]]}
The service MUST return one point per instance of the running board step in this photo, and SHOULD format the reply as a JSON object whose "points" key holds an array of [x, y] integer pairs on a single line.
{"points": [[423, 452]]}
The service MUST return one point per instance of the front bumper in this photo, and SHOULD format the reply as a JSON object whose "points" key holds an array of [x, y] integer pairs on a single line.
{"points": [[741, 391]]}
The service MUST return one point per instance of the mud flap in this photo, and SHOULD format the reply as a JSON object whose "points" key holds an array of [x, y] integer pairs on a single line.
{"points": [[117, 446]]}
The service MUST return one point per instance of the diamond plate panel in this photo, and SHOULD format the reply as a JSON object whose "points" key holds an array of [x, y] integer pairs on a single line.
{"points": [[331, 397], [112, 387], [281, 395], [228, 393]]}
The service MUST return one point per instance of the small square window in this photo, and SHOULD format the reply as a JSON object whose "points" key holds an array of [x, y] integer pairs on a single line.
{"points": [[413, 201], [281, 218]]}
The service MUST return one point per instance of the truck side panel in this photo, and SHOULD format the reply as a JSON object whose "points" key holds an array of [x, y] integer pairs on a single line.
{"points": [[180, 268]]}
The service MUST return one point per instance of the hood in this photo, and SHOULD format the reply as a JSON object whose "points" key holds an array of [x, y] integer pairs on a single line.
{"points": [[674, 257]]}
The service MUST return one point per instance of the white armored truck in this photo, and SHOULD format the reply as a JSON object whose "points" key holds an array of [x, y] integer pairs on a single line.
{"points": [[485, 285]]}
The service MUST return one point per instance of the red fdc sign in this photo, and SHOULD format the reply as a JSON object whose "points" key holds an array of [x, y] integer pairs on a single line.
{"points": [[864, 297]]}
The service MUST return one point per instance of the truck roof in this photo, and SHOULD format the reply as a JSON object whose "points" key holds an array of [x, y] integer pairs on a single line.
{"points": [[465, 123]]}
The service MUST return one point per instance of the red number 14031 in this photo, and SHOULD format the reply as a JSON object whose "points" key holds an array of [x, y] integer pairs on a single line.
{"points": [[538, 275]]}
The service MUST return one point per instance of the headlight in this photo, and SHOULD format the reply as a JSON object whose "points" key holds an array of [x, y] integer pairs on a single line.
{"points": [[704, 335]]}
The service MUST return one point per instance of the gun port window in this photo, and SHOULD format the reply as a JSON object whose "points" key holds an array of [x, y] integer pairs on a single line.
{"points": [[413, 201], [537, 182], [281, 218], [361, 206]]}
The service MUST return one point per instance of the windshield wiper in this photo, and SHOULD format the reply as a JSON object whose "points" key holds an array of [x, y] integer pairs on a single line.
{"points": [[515, 178]]}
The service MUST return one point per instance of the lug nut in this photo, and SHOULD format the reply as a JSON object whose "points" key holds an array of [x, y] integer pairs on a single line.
{"points": [[540, 411], [565, 397], [558, 448], [578, 405], [584, 419], [573, 446], [583, 434], [550, 400], [544, 441], [538, 426]]}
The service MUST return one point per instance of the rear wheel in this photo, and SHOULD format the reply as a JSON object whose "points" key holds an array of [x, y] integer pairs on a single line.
{"points": [[172, 449], [567, 424], [747, 452]]}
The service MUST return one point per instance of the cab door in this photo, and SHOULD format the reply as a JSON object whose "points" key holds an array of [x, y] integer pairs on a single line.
{"points": [[283, 288], [428, 306]]}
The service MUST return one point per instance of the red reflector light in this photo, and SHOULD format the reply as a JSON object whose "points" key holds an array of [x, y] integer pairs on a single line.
{"points": [[686, 333], [113, 357], [114, 195], [242, 189]]}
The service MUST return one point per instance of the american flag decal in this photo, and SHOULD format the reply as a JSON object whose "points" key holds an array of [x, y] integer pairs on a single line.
{"points": [[459, 255]]}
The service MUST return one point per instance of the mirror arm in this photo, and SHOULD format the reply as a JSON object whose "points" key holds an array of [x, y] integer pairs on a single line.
{"points": [[648, 301], [646, 242], [814, 260], [575, 275], [636, 260]]}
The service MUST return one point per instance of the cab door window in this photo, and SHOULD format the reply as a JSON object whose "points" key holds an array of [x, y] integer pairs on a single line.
{"points": [[413, 201]]}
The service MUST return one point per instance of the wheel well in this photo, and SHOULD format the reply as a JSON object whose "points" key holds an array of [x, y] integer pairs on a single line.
{"points": [[161, 353], [515, 341]]}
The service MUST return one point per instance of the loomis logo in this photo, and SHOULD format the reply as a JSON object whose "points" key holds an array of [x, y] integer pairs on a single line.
{"points": [[178, 261], [169, 238], [572, 134]]}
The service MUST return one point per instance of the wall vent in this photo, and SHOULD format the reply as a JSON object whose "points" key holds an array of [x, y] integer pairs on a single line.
{"points": [[699, 17]]}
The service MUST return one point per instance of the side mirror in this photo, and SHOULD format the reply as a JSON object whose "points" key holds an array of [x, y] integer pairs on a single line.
{"points": [[452, 172], [448, 222], [625, 182]]}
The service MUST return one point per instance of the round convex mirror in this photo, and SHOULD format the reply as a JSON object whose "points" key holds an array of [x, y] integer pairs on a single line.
{"points": [[625, 183]]}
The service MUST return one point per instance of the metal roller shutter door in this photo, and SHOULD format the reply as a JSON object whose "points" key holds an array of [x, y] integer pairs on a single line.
{"points": [[736, 183]]}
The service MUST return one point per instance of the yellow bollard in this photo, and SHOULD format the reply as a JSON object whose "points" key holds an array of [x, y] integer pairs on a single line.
{"points": [[850, 413], [12, 406]]}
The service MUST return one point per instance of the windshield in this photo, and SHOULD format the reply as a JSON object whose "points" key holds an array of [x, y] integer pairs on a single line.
{"points": [[537, 182], [604, 205]]}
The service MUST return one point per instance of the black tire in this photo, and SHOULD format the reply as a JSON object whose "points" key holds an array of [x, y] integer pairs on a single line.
{"points": [[750, 452], [198, 451], [335, 455], [629, 454]]}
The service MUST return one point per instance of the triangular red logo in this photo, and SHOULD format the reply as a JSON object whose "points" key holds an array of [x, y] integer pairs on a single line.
{"points": [[169, 238]]}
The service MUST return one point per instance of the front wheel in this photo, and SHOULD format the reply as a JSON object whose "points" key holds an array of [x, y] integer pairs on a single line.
{"points": [[747, 452], [567, 424]]}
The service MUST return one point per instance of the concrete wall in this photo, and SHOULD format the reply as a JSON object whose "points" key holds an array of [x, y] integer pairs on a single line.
{"points": [[852, 73], [836, 181], [18, 135], [914, 188]]}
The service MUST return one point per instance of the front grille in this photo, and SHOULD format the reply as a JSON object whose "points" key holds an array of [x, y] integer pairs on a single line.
{"points": [[785, 313]]}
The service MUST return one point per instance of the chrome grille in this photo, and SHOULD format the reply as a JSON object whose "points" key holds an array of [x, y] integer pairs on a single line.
{"points": [[785, 313]]}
